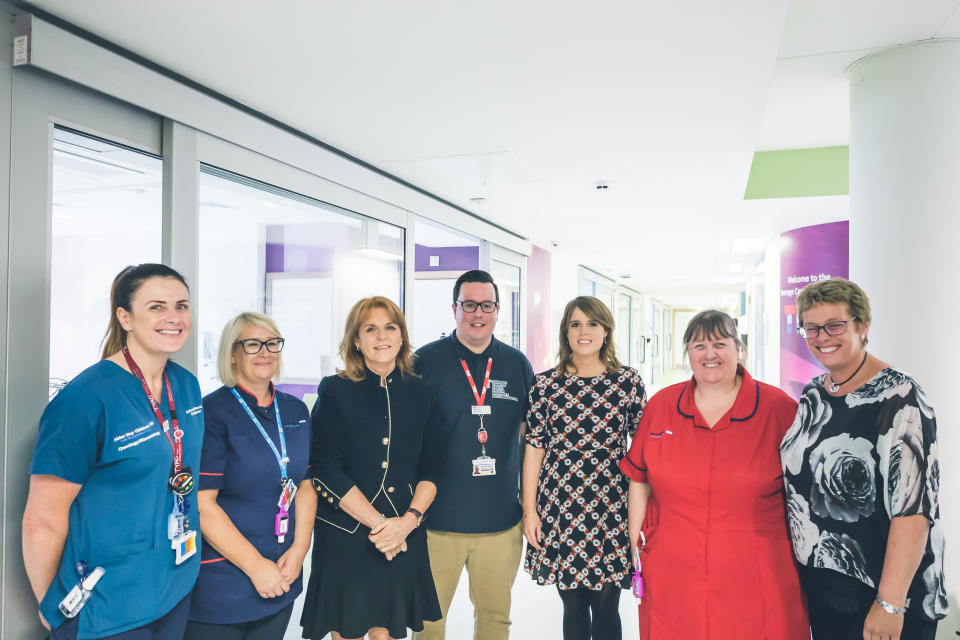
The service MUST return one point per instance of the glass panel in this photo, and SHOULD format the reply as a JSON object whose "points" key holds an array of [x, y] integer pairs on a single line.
{"points": [[622, 331], [300, 261], [507, 277], [107, 214], [442, 255]]}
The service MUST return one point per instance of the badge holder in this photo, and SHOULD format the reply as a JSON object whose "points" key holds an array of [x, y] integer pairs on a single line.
{"points": [[484, 465], [281, 524], [183, 541], [77, 597], [637, 581]]}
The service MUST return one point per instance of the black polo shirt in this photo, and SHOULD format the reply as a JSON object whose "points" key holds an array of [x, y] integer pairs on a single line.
{"points": [[466, 503]]}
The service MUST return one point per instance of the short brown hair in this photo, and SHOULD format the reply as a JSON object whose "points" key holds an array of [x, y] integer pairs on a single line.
{"points": [[711, 323], [354, 368], [835, 291], [594, 309]]}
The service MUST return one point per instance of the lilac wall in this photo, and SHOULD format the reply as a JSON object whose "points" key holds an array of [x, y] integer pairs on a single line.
{"points": [[807, 254], [451, 258]]}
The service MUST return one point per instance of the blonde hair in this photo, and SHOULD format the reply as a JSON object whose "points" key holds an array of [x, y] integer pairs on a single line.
{"points": [[229, 336], [355, 368], [594, 309]]}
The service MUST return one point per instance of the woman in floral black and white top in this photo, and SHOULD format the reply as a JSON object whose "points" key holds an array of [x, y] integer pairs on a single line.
{"points": [[862, 480]]}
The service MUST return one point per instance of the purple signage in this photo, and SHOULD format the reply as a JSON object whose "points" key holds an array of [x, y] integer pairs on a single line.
{"points": [[807, 254], [446, 258]]}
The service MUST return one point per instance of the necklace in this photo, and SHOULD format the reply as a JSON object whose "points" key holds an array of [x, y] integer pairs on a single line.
{"points": [[834, 386]]}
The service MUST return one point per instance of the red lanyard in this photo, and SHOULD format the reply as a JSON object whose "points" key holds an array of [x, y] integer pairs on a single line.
{"points": [[177, 442], [486, 381]]}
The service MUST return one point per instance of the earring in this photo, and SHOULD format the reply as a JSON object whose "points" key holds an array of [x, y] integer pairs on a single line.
{"points": [[356, 347], [863, 338]]}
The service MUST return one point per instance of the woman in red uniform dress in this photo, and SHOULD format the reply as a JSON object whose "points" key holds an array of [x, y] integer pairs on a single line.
{"points": [[707, 487]]}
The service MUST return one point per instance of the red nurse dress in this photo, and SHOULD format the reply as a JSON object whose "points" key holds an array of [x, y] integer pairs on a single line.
{"points": [[718, 563]]}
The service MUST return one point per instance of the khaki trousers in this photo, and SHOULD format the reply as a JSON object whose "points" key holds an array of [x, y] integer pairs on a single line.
{"points": [[492, 561]]}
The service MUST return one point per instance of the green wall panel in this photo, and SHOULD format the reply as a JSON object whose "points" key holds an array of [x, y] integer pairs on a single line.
{"points": [[798, 173]]}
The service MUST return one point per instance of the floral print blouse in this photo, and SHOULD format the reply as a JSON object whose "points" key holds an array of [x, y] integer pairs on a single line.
{"points": [[850, 464]]}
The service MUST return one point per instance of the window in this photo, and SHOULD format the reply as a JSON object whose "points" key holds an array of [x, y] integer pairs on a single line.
{"points": [[107, 214], [301, 261]]}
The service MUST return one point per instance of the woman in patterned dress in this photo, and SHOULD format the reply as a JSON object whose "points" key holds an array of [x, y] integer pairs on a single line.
{"points": [[862, 478], [574, 498]]}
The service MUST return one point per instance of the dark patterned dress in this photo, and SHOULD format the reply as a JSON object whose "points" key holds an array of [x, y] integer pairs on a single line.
{"points": [[583, 423], [850, 464]]}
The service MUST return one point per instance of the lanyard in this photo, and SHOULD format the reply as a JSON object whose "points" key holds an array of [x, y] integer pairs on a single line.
{"points": [[486, 381], [176, 444], [281, 455]]}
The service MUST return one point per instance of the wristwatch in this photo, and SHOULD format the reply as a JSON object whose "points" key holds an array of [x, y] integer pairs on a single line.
{"points": [[892, 608], [416, 513]]}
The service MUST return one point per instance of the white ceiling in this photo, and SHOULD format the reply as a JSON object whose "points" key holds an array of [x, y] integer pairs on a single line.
{"points": [[531, 105]]}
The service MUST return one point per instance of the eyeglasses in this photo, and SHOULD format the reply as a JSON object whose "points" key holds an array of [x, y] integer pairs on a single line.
{"points": [[833, 328], [252, 346], [487, 306]]}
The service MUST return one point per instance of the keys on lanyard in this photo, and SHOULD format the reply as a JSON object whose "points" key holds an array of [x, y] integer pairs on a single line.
{"points": [[181, 481], [287, 486], [484, 465]]}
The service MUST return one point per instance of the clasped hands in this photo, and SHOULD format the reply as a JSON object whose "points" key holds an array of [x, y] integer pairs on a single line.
{"points": [[390, 536]]}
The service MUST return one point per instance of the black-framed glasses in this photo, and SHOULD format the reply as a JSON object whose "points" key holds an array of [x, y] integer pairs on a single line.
{"points": [[469, 306], [833, 328], [252, 346]]}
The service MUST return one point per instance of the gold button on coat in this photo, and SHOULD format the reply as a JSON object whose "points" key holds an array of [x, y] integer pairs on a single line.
{"points": [[383, 465], [386, 441], [390, 489], [329, 499]]}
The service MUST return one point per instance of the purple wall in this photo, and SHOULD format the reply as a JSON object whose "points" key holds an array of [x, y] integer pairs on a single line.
{"points": [[451, 258], [807, 254]]}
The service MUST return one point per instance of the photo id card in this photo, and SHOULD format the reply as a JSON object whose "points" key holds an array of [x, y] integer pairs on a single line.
{"points": [[480, 409], [184, 546], [484, 466]]}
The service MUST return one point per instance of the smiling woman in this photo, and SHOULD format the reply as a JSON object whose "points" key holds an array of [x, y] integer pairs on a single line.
{"points": [[376, 458], [861, 469], [713, 536], [111, 486]]}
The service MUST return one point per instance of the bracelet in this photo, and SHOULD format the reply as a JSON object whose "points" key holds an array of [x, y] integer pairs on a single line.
{"points": [[379, 520], [417, 514], [892, 608]]}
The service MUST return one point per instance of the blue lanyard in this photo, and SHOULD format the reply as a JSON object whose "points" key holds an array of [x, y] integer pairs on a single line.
{"points": [[282, 454]]}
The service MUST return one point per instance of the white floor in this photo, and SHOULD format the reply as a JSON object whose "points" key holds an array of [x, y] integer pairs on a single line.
{"points": [[536, 612]]}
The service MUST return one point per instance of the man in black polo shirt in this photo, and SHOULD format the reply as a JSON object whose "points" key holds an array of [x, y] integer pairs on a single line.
{"points": [[482, 385]]}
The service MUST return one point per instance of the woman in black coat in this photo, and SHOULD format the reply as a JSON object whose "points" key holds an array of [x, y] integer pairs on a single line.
{"points": [[375, 461]]}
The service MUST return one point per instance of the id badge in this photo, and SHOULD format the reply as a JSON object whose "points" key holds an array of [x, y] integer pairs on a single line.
{"points": [[175, 522], [280, 526], [480, 409], [484, 466], [287, 493], [184, 546]]}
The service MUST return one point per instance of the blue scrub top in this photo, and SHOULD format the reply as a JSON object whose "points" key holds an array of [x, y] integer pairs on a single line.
{"points": [[239, 463], [100, 432]]}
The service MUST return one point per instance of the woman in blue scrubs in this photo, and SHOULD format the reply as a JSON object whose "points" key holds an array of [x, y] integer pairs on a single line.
{"points": [[112, 488], [255, 452]]}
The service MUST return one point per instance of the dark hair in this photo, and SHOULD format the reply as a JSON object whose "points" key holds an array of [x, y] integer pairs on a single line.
{"points": [[594, 309], [475, 275], [711, 324], [125, 286]]}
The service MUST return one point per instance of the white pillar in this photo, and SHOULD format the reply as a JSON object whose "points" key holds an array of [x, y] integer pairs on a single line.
{"points": [[904, 233]]}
